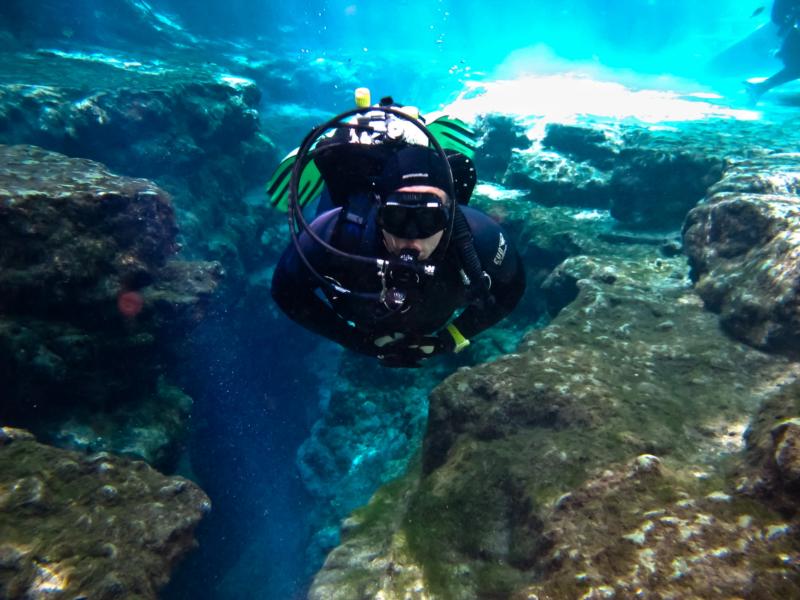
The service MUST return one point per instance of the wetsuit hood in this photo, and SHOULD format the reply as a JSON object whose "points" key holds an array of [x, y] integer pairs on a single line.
{"points": [[414, 166]]}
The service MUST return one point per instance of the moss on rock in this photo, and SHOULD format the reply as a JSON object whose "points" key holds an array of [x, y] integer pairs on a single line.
{"points": [[94, 526]]}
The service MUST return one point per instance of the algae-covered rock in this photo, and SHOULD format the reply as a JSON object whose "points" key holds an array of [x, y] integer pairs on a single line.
{"points": [[632, 366], [185, 123], [649, 178], [771, 471], [499, 137], [89, 526], [93, 304], [744, 249], [646, 528]]}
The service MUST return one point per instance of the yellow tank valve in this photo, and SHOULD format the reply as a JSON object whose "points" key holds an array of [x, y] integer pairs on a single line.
{"points": [[362, 97]]}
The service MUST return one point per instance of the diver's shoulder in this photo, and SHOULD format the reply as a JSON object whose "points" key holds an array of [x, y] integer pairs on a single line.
{"points": [[492, 243], [324, 223], [479, 220]]}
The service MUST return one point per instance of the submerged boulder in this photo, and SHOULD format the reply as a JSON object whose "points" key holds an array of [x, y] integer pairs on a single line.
{"points": [[649, 178], [89, 526], [92, 304], [633, 366], [647, 526], [190, 126], [743, 244], [772, 470]]}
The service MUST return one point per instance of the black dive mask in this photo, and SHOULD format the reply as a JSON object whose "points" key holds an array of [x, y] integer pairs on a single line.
{"points": [[413, 215]]}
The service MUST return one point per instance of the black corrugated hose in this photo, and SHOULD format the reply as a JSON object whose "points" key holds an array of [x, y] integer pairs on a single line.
{"points": [[479, 282]]}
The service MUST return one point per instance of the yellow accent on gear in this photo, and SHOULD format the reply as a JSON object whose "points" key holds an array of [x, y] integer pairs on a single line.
{"points": [[362, 97], [458, 338]]}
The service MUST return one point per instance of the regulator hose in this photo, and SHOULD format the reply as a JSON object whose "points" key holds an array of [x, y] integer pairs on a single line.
{"points": [[479, 281]]}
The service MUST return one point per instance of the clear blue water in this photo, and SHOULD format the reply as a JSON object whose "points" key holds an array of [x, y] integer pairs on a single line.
{"points": [[676, 37], [255, 401]]}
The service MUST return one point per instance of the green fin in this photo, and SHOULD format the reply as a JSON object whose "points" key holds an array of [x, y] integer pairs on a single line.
{"points": [[454, 134], [278, 185]]}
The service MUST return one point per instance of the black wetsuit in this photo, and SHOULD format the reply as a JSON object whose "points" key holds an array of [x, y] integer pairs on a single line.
{"points": [[356, 322]]}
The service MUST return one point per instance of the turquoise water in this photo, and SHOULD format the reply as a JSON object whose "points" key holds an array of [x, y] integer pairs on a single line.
{"points": [[424, 51], [258, 383]]}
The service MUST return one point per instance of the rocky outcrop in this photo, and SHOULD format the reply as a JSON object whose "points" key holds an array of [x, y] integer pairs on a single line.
{"points": [[743, 243], [93, 304], [192, 128], [89, 526], [772, 470], [649, 179], [561, 171], [647, 526], [632, 366], [684, 530]]}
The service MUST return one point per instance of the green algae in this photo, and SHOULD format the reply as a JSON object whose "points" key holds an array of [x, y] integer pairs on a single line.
{"points": [[379, 514], [76, 518]]}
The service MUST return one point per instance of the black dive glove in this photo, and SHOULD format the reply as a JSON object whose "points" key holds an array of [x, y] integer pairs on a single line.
{"points": [[401, 351]]}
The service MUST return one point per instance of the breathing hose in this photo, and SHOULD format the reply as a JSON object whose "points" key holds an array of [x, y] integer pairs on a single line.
{"points": [[479, 281]]}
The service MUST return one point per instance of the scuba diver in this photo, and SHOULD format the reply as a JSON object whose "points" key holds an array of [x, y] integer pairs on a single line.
{"points": [[786, 16], [394, 265]]}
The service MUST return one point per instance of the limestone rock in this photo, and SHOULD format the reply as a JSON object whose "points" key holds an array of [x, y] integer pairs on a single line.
{"points": [[649, 179], [744, 249], [654, 189], [88, 281], [80, 526], [499, 136], [772, 469], [666, 532], [190, 126], [632, 366]]}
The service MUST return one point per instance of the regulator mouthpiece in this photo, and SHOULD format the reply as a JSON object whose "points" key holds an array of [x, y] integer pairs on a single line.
{"points": [[409, 255]]}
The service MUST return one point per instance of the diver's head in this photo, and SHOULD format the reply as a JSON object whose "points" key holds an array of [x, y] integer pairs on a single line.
{"points": [[414, 218], [414, 210]]}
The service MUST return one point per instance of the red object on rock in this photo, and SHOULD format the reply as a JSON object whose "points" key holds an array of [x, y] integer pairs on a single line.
{"points": [[130, 304]]}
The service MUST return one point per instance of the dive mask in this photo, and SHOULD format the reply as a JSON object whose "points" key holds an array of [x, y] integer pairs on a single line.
{"points": [[413, 215]]}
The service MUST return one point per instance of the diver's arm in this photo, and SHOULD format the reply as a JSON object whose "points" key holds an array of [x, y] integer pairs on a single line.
{"points": [[501, 261], [294, 291]]}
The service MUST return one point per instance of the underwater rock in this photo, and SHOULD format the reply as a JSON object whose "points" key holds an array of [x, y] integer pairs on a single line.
{"points": [[581, 144], [79, 526], [93, 303], [772, 469], [649, 179], [499, 137], [743, 248], [552, 179], [361, 442], [190, 126], [92, 248], [669, 533], [371, 428], [633, 365], [653, 188]]}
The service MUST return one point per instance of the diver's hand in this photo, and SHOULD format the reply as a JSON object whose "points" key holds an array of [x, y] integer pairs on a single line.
{"points": [[400, 351]]}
